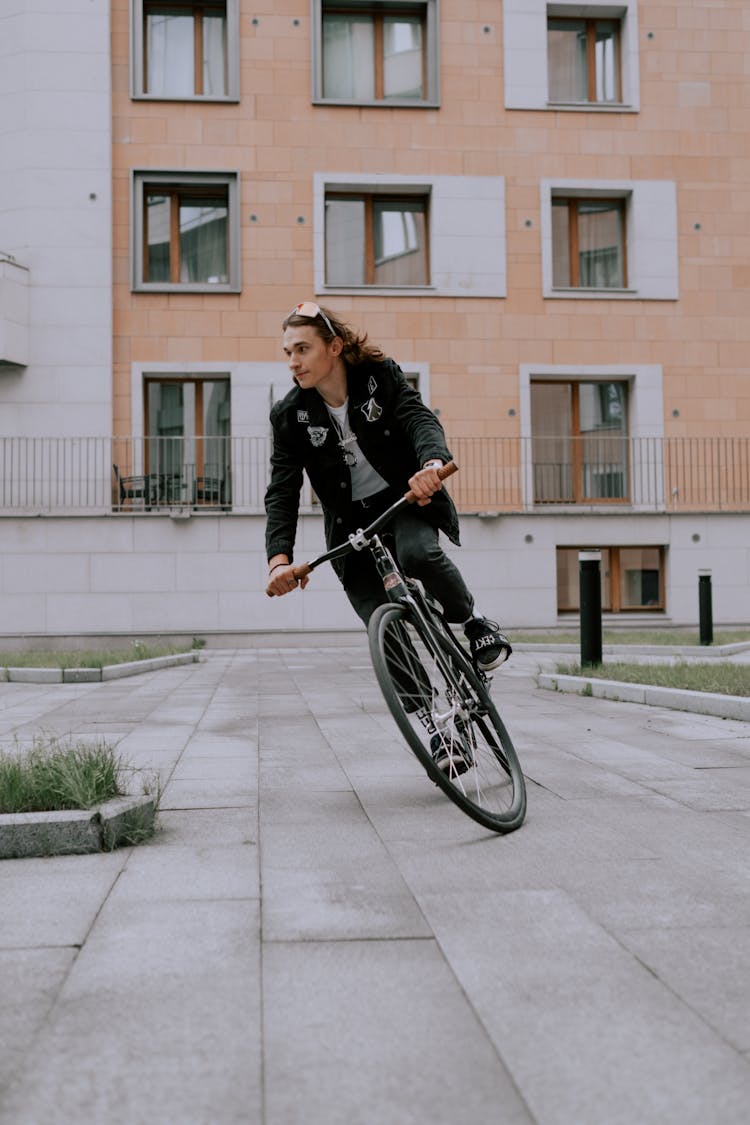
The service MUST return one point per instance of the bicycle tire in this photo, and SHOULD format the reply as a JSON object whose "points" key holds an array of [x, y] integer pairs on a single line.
{"points": [[425, 700]]}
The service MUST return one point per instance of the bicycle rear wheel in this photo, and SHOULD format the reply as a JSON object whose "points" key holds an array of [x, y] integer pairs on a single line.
{"points": [[441, 705]]}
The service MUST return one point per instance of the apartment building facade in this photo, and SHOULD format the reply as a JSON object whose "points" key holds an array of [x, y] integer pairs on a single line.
{"points": [[540, 210]]}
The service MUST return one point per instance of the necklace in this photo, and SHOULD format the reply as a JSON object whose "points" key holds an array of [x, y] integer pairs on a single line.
{"points": [[346, 437]]}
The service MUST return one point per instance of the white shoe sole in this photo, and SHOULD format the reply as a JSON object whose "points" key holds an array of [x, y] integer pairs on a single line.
{"points": [[501, 659]]}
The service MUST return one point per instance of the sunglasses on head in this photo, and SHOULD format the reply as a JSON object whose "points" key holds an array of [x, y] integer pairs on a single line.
{"points": [[311, 311]]}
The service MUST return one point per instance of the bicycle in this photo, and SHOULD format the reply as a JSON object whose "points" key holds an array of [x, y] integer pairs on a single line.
{"points": [[438, 697]]}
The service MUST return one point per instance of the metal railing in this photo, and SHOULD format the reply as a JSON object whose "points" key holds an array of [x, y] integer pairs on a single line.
{"points": [[222, 474]]}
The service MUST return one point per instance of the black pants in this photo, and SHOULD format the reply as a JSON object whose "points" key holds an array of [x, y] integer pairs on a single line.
{"points": [[420, 556]]}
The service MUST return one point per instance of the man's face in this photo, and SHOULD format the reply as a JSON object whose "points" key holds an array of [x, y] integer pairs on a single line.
{"points": [[311, 359]]}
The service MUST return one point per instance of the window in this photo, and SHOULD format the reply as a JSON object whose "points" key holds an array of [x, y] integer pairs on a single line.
{"points": [[588, 243], [613, 238], [571, 56], [445, 234], [583, 60], [187, 456], [632, 579], [185, 51], [376, 240], [366, 53], [186, 232], [579, 441]]}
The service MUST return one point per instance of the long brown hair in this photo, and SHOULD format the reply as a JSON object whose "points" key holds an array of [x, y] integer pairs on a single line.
{"points": [[356, 347]]}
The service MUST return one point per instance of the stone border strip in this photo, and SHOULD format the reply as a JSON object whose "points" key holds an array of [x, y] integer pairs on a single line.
{"points": [[677, 699], [686, 652], [122, 821], [96, 675]]}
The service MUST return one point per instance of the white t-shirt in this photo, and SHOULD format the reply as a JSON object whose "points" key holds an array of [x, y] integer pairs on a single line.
{"points": [[366, 481]]}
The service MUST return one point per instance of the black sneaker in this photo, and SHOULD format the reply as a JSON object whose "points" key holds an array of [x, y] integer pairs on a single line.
{"points": [[448, 754], [489, 647]]}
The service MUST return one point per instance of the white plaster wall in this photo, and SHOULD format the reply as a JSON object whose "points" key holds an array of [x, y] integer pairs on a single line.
{"points": [[55, 211], [152, 574]]}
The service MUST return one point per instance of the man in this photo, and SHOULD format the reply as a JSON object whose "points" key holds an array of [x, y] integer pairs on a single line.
{"points": [[354, 424]]}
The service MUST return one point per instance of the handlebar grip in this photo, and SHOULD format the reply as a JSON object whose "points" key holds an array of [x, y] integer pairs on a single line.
{"points": [[443, 472], [299, 572]]}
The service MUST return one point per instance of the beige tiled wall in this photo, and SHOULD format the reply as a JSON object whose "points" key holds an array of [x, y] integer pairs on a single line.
{"points": [[691, 129]]}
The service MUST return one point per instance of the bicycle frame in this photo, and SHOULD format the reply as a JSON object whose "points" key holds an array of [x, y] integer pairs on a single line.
{"points": [[447, 718], [405, 591], [395, 583]]}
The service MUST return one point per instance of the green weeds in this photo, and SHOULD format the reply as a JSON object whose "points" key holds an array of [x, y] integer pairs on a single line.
{"points": [[718, 676], [680, 637], [138, 650], [52, 775]]}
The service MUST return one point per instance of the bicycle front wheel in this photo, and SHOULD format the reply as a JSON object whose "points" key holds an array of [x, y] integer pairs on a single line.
{"points": [[447, 717]]}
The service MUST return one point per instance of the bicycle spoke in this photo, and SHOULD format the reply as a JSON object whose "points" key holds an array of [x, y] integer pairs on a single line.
{"points": [[448, 719]]}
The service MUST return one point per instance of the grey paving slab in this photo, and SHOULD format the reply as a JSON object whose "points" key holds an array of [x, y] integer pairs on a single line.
{"points": [[588, 1032], [204, 827], [714, 843], [213, 793], [653, 894], [707, 966], [242, 768], [358, 1033], [313, 910], [55, 901], [158, 1020], [201, 872], [203, 745], [30, 980], [710, 789]]}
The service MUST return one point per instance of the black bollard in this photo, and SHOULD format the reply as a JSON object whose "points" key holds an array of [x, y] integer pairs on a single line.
{"points": [[705, 611], [590, 587]]}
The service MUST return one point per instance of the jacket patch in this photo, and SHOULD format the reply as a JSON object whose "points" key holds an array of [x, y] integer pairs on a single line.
{"points": [[371, 410], [318, 435], [303, 416], [372, 386]]}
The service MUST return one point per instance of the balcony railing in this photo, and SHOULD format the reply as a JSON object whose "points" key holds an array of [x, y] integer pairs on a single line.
{"points": [[185, 475]]}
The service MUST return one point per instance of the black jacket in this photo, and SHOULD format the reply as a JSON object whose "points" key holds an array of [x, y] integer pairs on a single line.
{"points": [[396, 432]]}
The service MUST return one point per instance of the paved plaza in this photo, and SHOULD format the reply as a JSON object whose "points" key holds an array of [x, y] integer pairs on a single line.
{"points": [[316, 936]]}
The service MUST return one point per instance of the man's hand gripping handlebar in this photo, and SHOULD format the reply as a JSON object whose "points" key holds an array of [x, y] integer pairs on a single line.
{"points": [[425, 482]]}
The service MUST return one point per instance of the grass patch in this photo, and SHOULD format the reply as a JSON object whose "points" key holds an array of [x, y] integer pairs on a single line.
{"points": [[718, 676], [633, 636], [52, 775], [88, 659]]}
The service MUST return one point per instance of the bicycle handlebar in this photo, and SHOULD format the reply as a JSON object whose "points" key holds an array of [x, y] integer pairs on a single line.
{"points": [[444, 471], [303, 569]]}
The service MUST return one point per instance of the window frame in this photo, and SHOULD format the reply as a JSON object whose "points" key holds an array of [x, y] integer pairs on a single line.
{"points": [[430, 11], [645, 421], [171, 182], [467, 236], [369, 198], [573, 202], [591, 22], [138, 47], [611, 579], [576, 438], [150, 456], [650, 244], [525, 54]]}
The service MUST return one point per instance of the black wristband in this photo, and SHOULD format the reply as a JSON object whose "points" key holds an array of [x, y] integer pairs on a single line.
{"points": [[276, 567]]}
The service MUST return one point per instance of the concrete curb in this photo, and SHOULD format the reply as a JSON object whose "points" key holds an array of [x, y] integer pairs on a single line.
{"points": [[122, 821], [685, 652], [95, 675], [699, 702]]}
